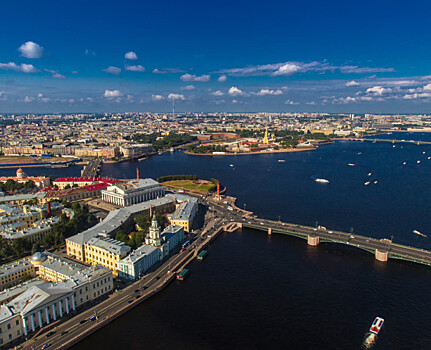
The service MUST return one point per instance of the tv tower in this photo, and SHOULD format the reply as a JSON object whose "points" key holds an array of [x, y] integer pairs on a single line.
{"points": [[173, 108]]}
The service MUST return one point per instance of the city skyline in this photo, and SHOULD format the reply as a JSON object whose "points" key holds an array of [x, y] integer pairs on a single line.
{"points": [[242, 57]]}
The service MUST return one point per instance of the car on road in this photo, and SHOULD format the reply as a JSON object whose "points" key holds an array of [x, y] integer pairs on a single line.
{"points": [[83, 321], [50, 334], [45, 346], [92, 318], [136, 290]]}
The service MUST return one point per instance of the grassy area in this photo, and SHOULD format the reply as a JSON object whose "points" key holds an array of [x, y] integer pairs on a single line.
{"points": [[201, 186]]}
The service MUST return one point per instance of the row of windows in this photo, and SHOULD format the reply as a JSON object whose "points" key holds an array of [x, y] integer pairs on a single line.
{"points": [[18, 333]]}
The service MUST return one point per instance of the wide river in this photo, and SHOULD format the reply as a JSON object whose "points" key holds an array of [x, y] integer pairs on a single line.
{"points": [[259, 292]]}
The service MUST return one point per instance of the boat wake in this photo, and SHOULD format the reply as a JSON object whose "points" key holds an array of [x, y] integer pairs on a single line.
{"points": [[369, 340]]}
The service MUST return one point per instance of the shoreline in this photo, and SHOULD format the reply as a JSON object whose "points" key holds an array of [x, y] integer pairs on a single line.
{"points": [[253, 153]]}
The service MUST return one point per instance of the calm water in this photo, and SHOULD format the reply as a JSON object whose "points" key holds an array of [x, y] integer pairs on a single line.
{"points": [[259, 292]]}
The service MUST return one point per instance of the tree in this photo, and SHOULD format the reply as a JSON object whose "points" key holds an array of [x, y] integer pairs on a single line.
{"points": [[122, 236]]}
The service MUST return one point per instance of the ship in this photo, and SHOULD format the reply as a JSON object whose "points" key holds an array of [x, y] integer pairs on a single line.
{"points": [[323, 181], [377, 325], [367, 183], [281, 160], [416, 232], [351, 164]]}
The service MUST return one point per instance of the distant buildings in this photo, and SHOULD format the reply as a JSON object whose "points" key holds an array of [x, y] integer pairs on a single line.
{"points": [[132, 192], [11, 274], [21, 177]]}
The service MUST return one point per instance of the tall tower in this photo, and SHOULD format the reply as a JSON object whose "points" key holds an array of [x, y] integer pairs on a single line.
{"points": [[265, 138], [153, 238], [137, 173], [173, 108]]}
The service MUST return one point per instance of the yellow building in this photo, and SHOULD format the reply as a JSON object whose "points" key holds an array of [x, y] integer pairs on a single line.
{"points": [[184, 214], [106, 252]]}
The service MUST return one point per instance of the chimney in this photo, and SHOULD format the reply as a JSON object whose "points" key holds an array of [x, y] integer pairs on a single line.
{"points": [[137, 173], [218, 188], [48, 209]]}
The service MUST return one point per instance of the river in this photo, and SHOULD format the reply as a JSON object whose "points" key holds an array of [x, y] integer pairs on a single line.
{"points": [[259, 292]]}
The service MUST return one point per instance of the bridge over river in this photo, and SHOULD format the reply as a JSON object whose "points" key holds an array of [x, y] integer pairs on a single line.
{"points": [[412, 142], [382, 249]]}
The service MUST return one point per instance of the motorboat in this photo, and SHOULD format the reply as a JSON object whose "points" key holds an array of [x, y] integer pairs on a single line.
{"points": [[416, 232], [367, 183], [281, 160], [351, 164], [323, 181], [377, 325]]}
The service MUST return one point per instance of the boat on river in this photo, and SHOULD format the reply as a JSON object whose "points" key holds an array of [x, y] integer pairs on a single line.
{"points": [[377, 325]]}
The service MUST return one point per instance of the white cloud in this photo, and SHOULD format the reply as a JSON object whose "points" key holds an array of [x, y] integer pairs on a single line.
{"points": [[352, 83], [345, 100], [289, 102], [290, 68], [287, 69], [176, 97], [112, 93], [234, 101], [194, 78], [217, 93], [55, 74], [188, 88], [427, 87], [137, 68], [222, 78], [311, 103], [28, 99], [23, 68], [416, 96], [234, 91], [131, 55], [31, 50], [264, 92], [167, 70], [157, 97], [112, 70], [378, 90], [158, 71]]}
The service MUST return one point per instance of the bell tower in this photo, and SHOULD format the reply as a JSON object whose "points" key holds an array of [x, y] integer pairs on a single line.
{"points": [[154, 231]]}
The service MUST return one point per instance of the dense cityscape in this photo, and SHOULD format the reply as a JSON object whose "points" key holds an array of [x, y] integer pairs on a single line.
{"points": [[230, 175]]}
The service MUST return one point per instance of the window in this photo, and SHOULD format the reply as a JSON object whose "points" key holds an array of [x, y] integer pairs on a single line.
{"points": [[10, 336], [18, 333], [8, 326], [17, 322]]}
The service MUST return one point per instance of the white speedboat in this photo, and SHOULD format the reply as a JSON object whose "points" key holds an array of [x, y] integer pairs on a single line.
{"points": [[281, 160], [231, 165], [323, 181], [375, 182], [351, 164], [418, 161], [416, 232], [369, 174], [377, 325], [404, 163], [367, 183]]}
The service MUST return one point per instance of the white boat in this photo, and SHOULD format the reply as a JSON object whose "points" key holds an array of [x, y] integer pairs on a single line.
{"points": [[418, 161], [351, 164], [375, 182], [367, 183], [429, 157], [231, 165], [377, 325], [423, 152], [404, 163], [416, 232], [323, 181], [359, 153], [369, 174], [281, 160]]}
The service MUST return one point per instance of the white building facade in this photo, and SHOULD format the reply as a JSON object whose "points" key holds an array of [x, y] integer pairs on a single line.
{"points": [[132, 192]]}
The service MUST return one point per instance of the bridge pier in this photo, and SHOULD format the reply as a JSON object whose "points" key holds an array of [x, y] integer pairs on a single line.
{"points": [[382, 255], [269, 231], [313, 240]]}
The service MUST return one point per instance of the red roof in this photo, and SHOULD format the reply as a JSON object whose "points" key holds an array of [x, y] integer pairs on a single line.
{"points": [[86, 179]]}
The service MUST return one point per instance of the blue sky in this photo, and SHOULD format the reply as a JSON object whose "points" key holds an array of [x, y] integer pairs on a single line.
{"points": [[109, 56]]}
